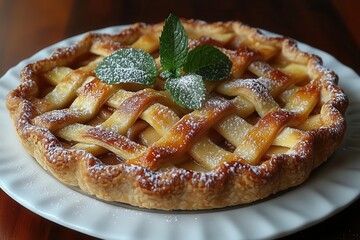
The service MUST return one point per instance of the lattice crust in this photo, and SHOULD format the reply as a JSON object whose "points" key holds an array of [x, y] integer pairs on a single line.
{"points": [[278, 116]]}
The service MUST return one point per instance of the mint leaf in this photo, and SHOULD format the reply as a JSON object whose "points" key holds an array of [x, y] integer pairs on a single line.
{"points": [[209, 62], [173, 45], [187, 91], [166, 74], [127, 65]]}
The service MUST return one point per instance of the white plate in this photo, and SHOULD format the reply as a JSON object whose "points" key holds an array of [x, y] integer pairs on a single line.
{"points": [[329, 189]]}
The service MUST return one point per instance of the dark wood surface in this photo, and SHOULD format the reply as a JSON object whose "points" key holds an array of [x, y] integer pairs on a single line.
{"points": [[27, 26]]}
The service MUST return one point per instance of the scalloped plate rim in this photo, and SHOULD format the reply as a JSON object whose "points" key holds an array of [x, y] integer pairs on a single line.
{"points": [[70, 208]]}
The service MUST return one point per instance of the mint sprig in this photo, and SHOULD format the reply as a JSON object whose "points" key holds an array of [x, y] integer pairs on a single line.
{"points": [[184, 71]]}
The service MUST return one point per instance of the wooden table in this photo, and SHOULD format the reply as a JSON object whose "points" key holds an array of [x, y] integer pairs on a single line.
{"points": [[30, 25]]}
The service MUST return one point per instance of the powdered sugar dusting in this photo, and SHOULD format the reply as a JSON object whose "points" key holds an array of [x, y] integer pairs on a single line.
{"points": [[257, 87]]}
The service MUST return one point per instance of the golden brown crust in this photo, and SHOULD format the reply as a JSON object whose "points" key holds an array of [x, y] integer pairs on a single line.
{"points": [[145, 180]]}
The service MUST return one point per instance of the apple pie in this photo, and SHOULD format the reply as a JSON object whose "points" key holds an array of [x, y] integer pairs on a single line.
{"points": [[263, 129]]}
